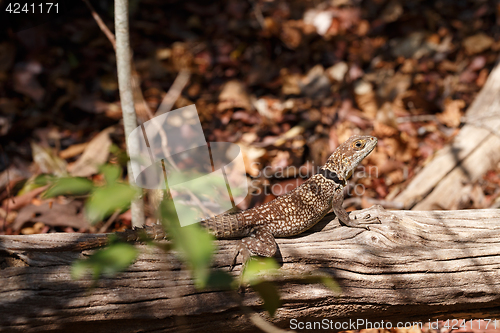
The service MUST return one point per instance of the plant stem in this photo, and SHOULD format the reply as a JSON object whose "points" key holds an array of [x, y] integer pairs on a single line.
{"points": [[123, 61]]}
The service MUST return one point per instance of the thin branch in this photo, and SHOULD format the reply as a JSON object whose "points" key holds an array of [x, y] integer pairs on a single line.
{"points": [[123, 61], [173, 93], [110, 221], [258, 14], [101, 24], [416, 118], [166, 105], [136, 85]]}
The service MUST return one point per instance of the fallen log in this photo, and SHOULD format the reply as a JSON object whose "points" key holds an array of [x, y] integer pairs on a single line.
{"points": [[415, 266]]}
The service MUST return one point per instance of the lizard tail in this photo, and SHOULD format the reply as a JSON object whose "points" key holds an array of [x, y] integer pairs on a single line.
{"points": [[154, 232], [226, 226]]}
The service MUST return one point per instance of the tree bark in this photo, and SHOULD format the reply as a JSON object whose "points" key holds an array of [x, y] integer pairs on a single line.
{"points": [[415, 266]]}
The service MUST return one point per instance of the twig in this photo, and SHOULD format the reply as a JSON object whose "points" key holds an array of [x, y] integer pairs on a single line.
{"points": [[123, 60], [101, 24], [136, 85], [109, 222], [258, 14], [173, 93], [166, 105], [417, 118]]}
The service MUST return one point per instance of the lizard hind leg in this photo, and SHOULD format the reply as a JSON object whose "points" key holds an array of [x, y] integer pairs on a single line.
{"points": [[260, 243]]}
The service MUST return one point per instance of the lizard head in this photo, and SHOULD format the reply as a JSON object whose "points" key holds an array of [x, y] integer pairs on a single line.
{"points": [[348, 155]]}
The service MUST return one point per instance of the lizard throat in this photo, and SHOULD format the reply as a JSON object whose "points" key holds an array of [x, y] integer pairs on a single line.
{"points": [[331, 175]]}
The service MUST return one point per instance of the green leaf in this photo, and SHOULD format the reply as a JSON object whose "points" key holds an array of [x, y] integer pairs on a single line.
{"points": [[106, 200], [316, 277], [109, 261], [120, 154], [197, 247], [257, 266], [28, 186], [330, 283], [110, 172], [44, 179], [270, 295], [319, 277], [219, 279], [79, 269], [69, 186], [194, 244]]}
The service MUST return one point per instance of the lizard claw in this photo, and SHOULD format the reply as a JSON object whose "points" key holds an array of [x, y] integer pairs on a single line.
{"points": [[372, 220], [245, 254], [235, 256]]}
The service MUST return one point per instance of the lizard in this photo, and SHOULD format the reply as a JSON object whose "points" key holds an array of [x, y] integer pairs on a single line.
{"points": [[298, 210], [287, 215]]}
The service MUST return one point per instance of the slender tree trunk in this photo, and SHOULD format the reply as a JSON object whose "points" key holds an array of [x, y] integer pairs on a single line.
{"points": [[123, 62]]}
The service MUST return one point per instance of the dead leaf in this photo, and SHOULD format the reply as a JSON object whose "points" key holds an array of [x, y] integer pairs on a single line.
{"points": [[477, 63], [290, 83], [396, 85], [95, 154], [315, 84], [451, 116], [320, 19], [477, 43], [60, 215], [234, 95], [47, 160], [338, 71], [392, 12], [8, 218], [291, 36], [251, 157], [481, 78], [4, 125], [35, 229], [270, 108], [281, 160], [91, 104], [365, 98], [25, 80], [22, 200], [73, 150]]}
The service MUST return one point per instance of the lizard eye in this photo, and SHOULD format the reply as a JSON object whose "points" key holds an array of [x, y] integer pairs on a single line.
{"points": [[359, 144]]}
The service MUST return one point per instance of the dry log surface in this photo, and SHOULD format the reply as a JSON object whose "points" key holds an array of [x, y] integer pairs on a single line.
{"points": [[413, 266]]}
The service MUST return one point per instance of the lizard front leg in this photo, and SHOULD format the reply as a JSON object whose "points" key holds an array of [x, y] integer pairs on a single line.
{"points": [[343, 216], [261, 243]]}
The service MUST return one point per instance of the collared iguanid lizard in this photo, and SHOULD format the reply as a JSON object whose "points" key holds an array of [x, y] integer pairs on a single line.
{"points": [[291, 213]]}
